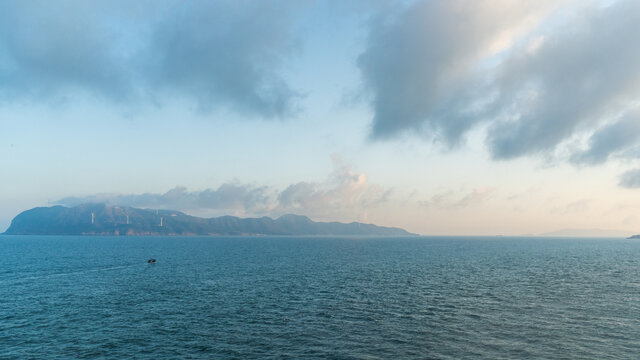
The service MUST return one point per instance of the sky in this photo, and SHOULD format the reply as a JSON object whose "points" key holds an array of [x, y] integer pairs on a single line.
{"points": [[458, 117]]}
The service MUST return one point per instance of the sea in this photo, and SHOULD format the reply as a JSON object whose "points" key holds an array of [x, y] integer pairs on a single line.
{"points": [[74, 297]]}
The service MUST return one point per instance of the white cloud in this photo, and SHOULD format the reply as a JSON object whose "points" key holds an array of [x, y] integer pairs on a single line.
{"points": [[344, 195], [450, 200]]}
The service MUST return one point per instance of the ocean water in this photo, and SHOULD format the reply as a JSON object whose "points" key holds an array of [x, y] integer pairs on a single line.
{"points": [[319, 298]]}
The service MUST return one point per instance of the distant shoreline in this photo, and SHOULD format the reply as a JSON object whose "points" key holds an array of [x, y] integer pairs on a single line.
{"points": [[107, 220]]}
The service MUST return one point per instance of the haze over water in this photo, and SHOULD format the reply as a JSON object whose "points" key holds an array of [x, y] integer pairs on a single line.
{"points": [[292, 297]]}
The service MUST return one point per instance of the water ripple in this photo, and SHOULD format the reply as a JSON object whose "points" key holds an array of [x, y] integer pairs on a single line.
{"points": [[291, 298]]}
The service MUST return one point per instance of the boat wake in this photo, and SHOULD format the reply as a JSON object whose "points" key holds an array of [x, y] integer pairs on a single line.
{"points": [[62, 274]]}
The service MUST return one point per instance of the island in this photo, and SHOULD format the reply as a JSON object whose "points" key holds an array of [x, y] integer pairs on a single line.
{"points": [[102, 219], [634, 237]]}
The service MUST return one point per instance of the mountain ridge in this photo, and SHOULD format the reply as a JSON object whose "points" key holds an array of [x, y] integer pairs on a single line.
{"points": [[101, 219]]}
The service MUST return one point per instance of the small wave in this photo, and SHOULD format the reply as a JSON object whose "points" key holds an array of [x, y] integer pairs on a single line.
{"points": [[55, 275]]}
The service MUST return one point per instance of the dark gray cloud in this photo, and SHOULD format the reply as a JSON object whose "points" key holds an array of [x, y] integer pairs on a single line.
{"points": [[216, 53], [226, 51], [611, 139], [420, 63], [536, 74], [56, 47], [578, 77], [631, 179]]}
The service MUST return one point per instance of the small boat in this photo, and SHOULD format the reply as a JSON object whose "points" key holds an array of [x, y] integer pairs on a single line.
{"points": [[151, 261]]}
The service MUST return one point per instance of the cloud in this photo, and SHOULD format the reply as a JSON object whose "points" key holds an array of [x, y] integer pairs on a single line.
{"points": [[536, 74], [230, 198], [448, 200], [48, 47], [226, 52], [215, 53], [422, 63], [476, 196], [581, 75], [578, 206], [344, 195], [611, 139], [344, 192], [631, 179]]}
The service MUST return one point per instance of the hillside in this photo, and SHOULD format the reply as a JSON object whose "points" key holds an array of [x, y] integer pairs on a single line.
{"points": [[100, 219]]}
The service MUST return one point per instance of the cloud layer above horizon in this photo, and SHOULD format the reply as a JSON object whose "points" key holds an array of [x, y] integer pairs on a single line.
{"points": [[544, 79], [344, 194]]}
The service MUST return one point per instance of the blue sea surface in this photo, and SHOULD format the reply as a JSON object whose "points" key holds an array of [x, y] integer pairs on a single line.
{"points": [[317, 298]]}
